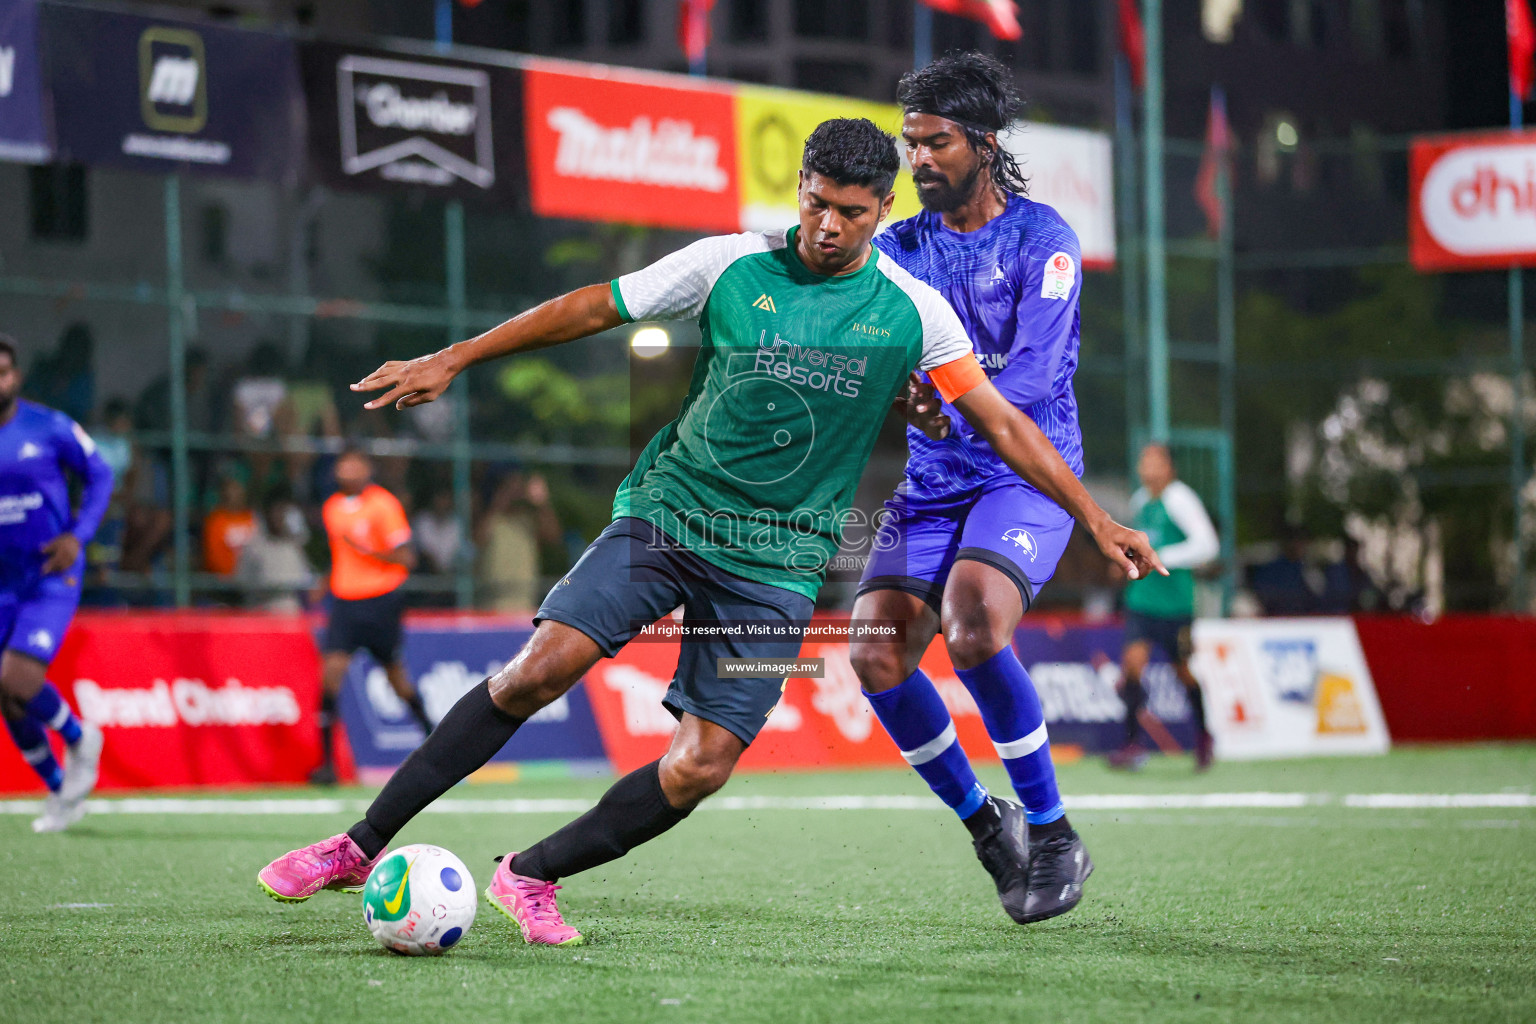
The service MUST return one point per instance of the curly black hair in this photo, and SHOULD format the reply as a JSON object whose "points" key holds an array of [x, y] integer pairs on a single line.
{"points": [[976, 92], [853, 151]]}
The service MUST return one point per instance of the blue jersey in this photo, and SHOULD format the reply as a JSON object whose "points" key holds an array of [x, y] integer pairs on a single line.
{"points": [[39, 447], [1015, 283]]}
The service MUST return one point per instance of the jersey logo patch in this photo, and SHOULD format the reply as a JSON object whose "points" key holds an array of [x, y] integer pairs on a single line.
{"points": [[1060, 273], [1025, 540], [29, 451], [998, 275], [765, 301], [41, 640]]}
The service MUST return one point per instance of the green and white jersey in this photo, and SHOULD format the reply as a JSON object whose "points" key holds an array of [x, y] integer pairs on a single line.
{"points": [[793, 380], [1182, 535]]}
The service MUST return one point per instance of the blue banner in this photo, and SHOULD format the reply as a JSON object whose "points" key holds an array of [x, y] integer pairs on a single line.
{"points": [[23, 129], [446, 660], [166, 96], [1075, 669]]}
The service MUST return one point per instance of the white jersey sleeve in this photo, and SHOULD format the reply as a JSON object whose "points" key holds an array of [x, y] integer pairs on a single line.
{"points": [[944, 337], [676, 286], [1200, 544]]}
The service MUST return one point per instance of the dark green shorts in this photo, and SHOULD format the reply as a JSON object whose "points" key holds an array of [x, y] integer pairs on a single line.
{"points": [[633, 575]]}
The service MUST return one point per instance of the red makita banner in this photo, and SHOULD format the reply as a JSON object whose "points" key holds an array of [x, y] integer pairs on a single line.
{"points": [[1472, 201], [631, 150], [189, 700]]}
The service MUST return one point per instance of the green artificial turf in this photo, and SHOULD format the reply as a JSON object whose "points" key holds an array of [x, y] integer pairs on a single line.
{"points": [[1319, 912]]}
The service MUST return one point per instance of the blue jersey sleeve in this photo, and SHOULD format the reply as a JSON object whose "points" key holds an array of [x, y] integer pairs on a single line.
{"points": [[1050, 281], [78, 453]]}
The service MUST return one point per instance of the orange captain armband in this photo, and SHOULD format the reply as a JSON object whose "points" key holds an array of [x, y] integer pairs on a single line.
{"points": [[957, 376]]}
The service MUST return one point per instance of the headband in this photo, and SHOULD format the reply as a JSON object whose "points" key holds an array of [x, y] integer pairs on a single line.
{"points": [[974, 126]]}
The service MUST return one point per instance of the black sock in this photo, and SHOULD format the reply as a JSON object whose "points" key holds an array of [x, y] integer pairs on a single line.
{"points": [[633, 811], [419, 712], [984, 821], [465, 739], [1058, 827], [327, 728], [1196, 707], [1135, 697]]}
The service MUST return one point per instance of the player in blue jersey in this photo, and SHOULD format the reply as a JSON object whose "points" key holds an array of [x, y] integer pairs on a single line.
{"points": [[42, 561], [966, 543]]}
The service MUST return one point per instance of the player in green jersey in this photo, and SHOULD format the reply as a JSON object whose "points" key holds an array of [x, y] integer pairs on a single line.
{"points": [[1160, 610], [732, 511]]}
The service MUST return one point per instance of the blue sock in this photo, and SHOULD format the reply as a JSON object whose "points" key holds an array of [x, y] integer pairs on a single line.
{"points": [[33, 744], [1010, 709], [48, 707], [915, 716]]}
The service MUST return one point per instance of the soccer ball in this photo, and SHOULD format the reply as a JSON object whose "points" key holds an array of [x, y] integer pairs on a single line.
{"points": [[420, 900]]}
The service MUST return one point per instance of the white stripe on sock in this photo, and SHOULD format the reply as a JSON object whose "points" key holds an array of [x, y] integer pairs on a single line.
{"points": [[1028, 745], [37, 755], [58, 720], [932, 749]]}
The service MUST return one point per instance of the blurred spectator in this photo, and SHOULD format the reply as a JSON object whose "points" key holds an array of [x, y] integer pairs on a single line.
{"points": [[114, 439], [1288, 585], [1348, 587], [227, 529], [437, 532], [115, 445], [152, 412], [517, 520], [309, 411], [273, 565], [259, 406], [66, 378]]}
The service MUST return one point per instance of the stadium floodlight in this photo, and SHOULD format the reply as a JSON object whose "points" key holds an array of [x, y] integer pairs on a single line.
{"points": [[649, 342]]}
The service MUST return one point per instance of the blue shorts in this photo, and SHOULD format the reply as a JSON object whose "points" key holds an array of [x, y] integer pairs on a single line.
{"points": [[1011, 527], [33, 622], [369, 624], [632, 575]]}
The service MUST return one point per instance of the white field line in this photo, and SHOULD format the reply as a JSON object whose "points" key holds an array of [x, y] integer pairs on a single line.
{"points": [[1089, 802]]}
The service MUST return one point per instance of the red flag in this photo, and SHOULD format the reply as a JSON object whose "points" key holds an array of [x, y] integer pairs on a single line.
{"points": [[693, 28], [1522, 45], [1000, 16], [1133, 41], [1218, 148]]}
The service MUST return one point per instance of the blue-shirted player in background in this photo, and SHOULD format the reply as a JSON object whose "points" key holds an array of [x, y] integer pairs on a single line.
{"points": [[42, 561], [967, 543]]}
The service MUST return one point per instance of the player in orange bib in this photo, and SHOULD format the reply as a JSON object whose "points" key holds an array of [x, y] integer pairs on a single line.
{"points": [[371, 555]]}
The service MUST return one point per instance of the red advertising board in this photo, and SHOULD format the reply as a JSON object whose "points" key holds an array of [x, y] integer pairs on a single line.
{"points": [[189, 700], [1472, 201], [627, 149], [819, 723]]}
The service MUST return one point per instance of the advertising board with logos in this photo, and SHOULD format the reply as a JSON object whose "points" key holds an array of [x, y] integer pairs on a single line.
{"points": [[160, 95], [631, 148], [1472, 201], [23, 128], [380, 119]]}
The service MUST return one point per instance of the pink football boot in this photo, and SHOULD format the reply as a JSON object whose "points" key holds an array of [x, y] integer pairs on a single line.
{"points": [[531, 903], [334, 863]]}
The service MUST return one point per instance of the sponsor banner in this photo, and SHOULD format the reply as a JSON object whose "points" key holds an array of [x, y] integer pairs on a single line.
{"points": [[447, 657], [189, 700], [826, 722], [163, 95], [23, 129], [1472, 201], [1287, 688], [630, 149], [1072, 170], [379, 119], [1461, 677], [771, 129]]}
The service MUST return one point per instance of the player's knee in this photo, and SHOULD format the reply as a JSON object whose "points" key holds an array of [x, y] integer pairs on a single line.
{"points": [[529, 683], [878, 666], [693, 773], [972, 636]]}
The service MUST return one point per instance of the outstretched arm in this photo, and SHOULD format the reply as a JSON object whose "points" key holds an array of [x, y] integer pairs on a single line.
{"points": [[1030, 454], [576, 314]]}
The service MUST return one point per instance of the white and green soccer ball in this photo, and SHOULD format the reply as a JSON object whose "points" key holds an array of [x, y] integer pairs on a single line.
{"points": [[419, 901]]}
